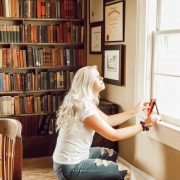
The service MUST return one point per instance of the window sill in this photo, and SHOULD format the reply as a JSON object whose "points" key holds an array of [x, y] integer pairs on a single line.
{"points": [[166, 133]]}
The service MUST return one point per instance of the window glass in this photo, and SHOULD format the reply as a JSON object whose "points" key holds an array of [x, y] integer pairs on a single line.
{"points": [[167, 59], [167, 91], [169, 14]]}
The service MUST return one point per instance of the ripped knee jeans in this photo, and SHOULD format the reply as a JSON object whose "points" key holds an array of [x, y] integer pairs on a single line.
{"points": [[100, 165]]}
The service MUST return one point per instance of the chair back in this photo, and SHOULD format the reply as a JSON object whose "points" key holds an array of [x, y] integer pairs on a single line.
{"points": [[17, 175], [8, 132]]}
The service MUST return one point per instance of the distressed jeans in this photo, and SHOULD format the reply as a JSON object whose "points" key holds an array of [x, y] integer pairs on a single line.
{"points": [[100, 165]]}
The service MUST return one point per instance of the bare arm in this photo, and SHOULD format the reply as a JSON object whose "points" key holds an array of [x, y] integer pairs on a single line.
{"points": [[119, 118], [105, 130], [116, 119]]}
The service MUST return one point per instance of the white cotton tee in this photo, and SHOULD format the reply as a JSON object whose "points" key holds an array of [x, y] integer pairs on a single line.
{"points": [[73, 144]]}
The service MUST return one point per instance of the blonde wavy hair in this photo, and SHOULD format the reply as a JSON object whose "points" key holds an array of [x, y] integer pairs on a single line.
{"points": [[80, 93]]}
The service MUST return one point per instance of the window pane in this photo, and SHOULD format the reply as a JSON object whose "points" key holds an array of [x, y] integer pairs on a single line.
{"points": [[167, 59], [167, 92], [170, 14]]}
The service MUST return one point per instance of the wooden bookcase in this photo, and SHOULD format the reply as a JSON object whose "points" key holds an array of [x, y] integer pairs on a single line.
{"points": [[42, 44]]}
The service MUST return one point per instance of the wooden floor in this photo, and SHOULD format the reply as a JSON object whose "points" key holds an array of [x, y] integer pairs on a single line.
{"points": [[37, 169]]}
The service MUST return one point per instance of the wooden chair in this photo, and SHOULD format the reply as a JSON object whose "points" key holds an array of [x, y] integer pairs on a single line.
{"points": [[17, 175], [9, 132]]}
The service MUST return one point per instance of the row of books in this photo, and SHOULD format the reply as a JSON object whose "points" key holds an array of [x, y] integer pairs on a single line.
{"points": [[30, 81], [10, 105], [41, 57], [51, 80], [64, 32], [41, 8]]}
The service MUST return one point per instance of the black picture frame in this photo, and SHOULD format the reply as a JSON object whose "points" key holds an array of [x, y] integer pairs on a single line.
{"points": [[96, 38], [96, 11], [114, 15], [113, 64]]}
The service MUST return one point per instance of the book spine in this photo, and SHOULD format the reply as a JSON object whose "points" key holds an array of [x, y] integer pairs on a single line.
{"points": [[38, 9], [43, 8]]}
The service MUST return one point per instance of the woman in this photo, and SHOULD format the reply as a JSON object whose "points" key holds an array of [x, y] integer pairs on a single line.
{"points": [[78, 119]]}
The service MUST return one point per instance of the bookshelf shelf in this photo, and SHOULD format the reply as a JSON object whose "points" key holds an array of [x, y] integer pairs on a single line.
{"points": [[41, 47], [42, 44], [70, 68], [33, 92], [26, 115], [41, 19]]}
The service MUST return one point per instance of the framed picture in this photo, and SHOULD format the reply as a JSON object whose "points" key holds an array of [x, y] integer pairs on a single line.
{"points": [[95, 46], [113, 64], [114, 22], [96, 11]]}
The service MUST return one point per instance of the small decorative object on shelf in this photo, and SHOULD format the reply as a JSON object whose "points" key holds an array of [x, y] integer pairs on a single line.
{"points": [[42, 44]]}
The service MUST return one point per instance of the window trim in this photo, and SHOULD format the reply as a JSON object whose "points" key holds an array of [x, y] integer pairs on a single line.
{"points": [[165, 132]]}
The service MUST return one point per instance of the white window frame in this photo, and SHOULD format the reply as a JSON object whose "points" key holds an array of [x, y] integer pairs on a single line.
{"points": [[165, 132]]}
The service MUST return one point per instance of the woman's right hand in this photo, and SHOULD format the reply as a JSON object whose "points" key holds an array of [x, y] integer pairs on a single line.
{"points": [[141, 106]]}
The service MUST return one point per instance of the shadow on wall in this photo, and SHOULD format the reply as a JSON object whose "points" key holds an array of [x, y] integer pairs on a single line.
{"points": [[127, 146], [154, 158], [172, 160]]}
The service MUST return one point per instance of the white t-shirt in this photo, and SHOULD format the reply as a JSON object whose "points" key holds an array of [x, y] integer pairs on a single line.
{"points": [[73, 144]]}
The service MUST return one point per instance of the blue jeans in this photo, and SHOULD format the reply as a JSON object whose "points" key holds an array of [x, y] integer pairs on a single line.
{"points": [[101, 165]]}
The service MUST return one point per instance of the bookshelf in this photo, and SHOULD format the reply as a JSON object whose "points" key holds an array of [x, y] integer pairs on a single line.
{"points": [[42, 44]]}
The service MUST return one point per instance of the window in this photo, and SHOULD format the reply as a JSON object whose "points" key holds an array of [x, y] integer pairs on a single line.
{"points": [[166, 60], [158, 65]]}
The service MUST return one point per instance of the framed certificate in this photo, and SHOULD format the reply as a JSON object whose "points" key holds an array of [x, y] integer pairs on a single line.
{"points": [[113, 64], [114, 22], [96, 11], [95, 38]]}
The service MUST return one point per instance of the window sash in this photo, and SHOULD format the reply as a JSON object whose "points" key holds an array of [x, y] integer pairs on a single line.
{"points": [[160, 78]]}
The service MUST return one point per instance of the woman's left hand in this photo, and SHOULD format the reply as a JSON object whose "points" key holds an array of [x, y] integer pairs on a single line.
{"points": [[152, 119]]}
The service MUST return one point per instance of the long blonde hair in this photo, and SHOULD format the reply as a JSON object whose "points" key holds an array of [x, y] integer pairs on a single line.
{"points": [[80, 93]]}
